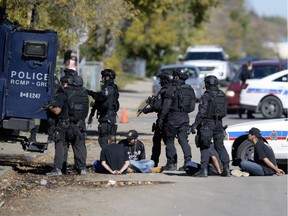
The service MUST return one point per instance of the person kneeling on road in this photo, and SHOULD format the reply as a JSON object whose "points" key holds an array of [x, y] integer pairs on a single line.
{"points": [[113, 158], [136, 153], [214, 166]]}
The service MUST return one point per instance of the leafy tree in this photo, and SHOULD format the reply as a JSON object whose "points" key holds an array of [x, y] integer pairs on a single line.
{"points": [[71, 18], [154, 30], [163, 26]]}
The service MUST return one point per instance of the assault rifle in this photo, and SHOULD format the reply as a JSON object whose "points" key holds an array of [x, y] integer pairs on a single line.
{"points": [[46, 106], [149, 102]]}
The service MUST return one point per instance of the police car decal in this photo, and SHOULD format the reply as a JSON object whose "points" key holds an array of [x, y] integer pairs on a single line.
{"points": [[273, 135], [268, 135], [266, 91]]}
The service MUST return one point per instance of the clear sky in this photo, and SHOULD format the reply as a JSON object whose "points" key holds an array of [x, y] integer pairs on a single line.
{"points": [[269, 7]]}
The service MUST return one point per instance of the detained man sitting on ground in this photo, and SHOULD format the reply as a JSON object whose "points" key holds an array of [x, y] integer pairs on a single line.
{"points": [[113, 158], [264, 163], [136, 153]]}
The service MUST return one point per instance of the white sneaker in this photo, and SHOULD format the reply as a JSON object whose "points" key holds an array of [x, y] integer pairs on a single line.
{"points": [[239, 173], [245, 174], [236, 173]]}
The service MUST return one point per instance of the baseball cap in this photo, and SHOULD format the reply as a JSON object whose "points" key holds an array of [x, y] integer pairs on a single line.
{"points": [[132, 134], [255, 131]]}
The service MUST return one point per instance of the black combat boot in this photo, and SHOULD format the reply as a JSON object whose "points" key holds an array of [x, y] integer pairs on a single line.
{"points": [[170, 167], [226, 171], [201, 173], [32, 137], [183, 168], [64, 168]]}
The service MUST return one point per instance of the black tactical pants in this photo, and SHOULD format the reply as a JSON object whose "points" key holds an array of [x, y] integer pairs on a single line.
{"points": [[181, 132], [66, 133], [156, 148], [106, 129], [61, 146], [218, 137], [78, 144]]}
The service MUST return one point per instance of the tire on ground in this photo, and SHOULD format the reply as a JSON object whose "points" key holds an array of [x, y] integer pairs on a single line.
{"points": [[245, 150], [271, 107]]}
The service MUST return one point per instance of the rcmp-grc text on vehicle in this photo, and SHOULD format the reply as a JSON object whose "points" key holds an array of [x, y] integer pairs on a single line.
{"points": [[274, 131], [268, 95], [27, 64]]}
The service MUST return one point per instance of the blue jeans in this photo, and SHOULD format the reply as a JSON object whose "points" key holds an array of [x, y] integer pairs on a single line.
{"points": [[142, 166], [252, 168]]}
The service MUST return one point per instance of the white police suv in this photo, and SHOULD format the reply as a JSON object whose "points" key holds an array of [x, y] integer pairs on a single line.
{"points": [[210, 59], [268, 95], [274, 131]]}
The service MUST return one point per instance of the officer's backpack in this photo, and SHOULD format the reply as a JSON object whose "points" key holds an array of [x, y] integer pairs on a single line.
{"points": [[78, 104], [186, 98], [217, 106]]}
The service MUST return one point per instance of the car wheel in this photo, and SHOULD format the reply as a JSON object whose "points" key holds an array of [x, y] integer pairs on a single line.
{"points": [[271, 107], [245, 151]]}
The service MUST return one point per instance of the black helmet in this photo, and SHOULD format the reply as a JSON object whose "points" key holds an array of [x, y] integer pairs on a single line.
{"points": [[78, 81], [211, 80], [165, 76], [67, 79], [182, 73], [108, 72]]}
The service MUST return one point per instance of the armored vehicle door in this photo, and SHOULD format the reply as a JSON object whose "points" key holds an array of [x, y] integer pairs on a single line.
{"points": [[30, 73]]}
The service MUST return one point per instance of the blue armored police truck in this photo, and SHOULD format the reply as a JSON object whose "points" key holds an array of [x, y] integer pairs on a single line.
{"points": [[27, 64]]}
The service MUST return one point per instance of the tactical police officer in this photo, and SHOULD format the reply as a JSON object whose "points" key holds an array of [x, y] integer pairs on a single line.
{"points": [[71, 107], [78, 111], [208, 122], [179, 100], [156, 106], [51, 116], [107, 104]]}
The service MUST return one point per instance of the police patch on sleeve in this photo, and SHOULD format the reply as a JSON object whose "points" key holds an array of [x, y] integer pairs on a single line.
{"points": [[106, 91]]}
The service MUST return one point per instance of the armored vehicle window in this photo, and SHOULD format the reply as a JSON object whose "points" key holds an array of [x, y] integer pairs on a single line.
{"points": [[35, 49]]}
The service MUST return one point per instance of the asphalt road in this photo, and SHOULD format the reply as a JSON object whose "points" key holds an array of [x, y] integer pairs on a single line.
{"points": [[183, 195]]}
